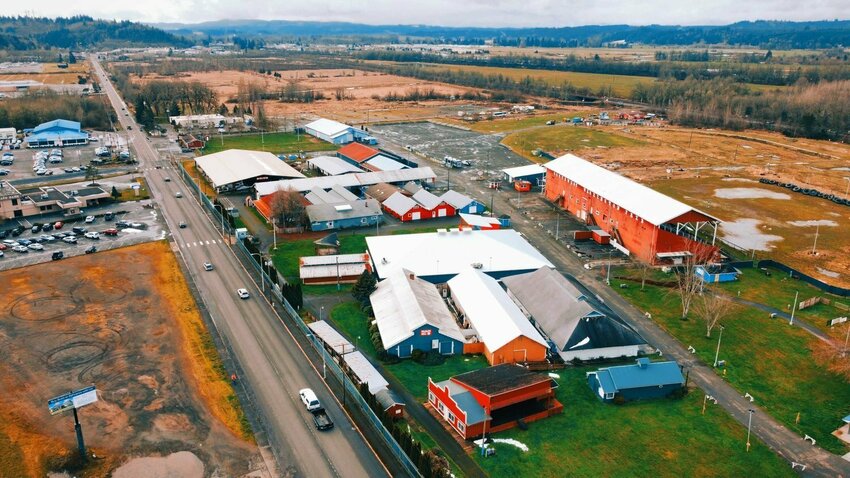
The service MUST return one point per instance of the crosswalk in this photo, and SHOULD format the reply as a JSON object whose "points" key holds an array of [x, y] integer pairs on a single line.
{"points": [[211, 242]]}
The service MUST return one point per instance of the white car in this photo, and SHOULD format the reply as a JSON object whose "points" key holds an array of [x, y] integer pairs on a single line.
{"points": [[242, 293], [20, 249], [70, 239], [208, 266], [36, 246], [178, 194], [310, 400], [89, 219], [47, 238], [92, 235]]}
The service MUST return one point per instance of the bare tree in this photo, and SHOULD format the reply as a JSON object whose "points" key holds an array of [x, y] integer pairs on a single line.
{"points": [[712, 308], [688, 284], [644, 270], [287, 207]]}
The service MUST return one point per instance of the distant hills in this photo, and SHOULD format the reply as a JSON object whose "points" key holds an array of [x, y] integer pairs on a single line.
{"points": [[765, 34], [29, 33]]}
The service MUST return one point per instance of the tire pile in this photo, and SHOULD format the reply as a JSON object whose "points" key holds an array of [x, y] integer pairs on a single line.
{"points": [[807, 191]]}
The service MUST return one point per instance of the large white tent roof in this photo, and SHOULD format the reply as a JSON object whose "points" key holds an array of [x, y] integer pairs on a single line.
{"points": [[332, 166], [490, 311], [644, 202], [328, 127], [234, 165], [346, 180]]}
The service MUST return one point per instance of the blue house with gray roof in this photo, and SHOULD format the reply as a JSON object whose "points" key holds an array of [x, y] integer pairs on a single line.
{"points": [[644, 380]]}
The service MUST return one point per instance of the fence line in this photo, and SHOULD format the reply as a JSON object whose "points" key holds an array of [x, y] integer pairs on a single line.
{"points": [[806, 278]]}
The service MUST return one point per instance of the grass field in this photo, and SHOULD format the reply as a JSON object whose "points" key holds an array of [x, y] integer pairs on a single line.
{"points": [[560, 139], [272, 142], [765, 357], [621, 85], [510, 123], [653, 438]]}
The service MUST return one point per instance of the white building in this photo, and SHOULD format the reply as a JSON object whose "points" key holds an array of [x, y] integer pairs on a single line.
{"points": [[235, 169], [205, 121], [8, 134], [333, 131]]}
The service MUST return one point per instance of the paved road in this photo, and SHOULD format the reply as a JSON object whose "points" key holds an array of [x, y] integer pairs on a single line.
{"points": [[275, 367]]}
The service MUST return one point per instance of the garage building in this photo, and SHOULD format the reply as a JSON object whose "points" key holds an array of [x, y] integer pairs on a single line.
{"points": [[235, 169], [333, 131]]}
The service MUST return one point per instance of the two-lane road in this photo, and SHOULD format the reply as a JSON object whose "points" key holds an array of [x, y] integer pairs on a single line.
{"points": [[274, 366]]}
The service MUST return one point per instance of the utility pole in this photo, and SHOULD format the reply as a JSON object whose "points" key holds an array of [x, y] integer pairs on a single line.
{"points": [[717, 352], [794, 309], [81, 445], [814, 246], [749, 425], [274, 234]]}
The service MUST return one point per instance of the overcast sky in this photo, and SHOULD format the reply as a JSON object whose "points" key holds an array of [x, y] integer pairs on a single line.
{"points": [[494, 13]]}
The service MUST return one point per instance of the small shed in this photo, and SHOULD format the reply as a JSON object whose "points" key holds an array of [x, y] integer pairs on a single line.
{"points": [[644, 380], [533, 173], [392, 404], [336, 269], [717, 273], [327, 245], [330, 337]]}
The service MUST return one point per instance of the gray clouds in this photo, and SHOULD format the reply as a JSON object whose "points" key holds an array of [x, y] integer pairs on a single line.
{"points": [[485, 13]]}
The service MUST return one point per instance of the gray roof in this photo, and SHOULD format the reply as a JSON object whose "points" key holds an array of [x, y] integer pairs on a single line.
{"points": [[365, 371], [427, 199], [234, 165], [465, 401], [387, 398], [562, 311], [456, 199], [332, 166], [399, 203], [641, 375], [347, 180], [337, 212], [381, 191]]}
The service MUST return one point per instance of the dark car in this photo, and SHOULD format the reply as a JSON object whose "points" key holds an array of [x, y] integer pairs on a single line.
{"points": [[57, 255], [36, 229], [79, 230], [109, 216], [4, 234], [122, 224], [47, 227], [91, 249]]}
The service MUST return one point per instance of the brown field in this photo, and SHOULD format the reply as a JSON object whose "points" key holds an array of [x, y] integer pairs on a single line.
{"points": [[51, 74], [135, 332], [359, 87]]}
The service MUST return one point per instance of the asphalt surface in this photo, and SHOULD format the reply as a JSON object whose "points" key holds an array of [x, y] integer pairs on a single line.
{"points": [[274, 366]]}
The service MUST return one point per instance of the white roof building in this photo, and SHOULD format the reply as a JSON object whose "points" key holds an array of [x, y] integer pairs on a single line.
{"points": [[644, 202], [335, 195], [523, 171], [489, 310], [327, 129], [475, 220], [312, 269], [399, 203], [347, 180], [235, 166], [383, 163], [402, 303], [427, 199], [456, 199], [331, 337], [332, 165], [365, 372], [438, 256]]}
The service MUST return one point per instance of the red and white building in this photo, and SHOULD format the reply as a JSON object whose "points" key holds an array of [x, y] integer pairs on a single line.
{"points": [[422, 205], [493, 399], [642, 222]]}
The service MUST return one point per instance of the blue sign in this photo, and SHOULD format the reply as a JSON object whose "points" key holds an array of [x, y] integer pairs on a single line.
{"points": [[70, 400]]}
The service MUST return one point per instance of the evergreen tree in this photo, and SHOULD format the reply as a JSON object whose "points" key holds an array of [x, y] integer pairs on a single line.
{"points": [[366, 284], [222, 110], [71, 58], [115, 193]]}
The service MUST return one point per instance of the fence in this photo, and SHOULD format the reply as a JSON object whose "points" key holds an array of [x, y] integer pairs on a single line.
{"points": [[349, 388], [805, 278]]}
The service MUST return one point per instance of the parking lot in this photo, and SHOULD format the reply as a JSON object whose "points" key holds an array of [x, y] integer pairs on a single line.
{"points": [[143, 225], [72, 157]]}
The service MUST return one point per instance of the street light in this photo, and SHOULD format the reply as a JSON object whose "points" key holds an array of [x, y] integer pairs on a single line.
{"points": [[749, 426], [794, 309], [262, 273], [717, 353]]}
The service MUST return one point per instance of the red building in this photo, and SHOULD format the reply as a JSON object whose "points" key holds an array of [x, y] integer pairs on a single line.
{"points": [[191, 142], [356, 153], [493, 399], [422, 205], [649, 225]]}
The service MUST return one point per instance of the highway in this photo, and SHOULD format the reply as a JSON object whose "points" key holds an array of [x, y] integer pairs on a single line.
{"points": [[274, 366]]}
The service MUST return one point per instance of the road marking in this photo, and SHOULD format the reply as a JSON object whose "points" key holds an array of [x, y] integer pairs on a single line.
{"points": [[208, 242], [188, 245]]}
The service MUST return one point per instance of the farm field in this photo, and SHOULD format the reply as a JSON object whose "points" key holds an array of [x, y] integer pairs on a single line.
{"points": [[276, 143], [134, 331], [764, 357], [50, 74], [560, 139], [356, 89]]}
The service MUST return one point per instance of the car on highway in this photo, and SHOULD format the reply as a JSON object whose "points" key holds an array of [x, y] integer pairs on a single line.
{"points": [[92, 235], [167, 179], [89, 219], [309, 399], [36, 246], [21, 249], [208, 266], [178, 194], [91, 250], [242, 293], [182, 225]]}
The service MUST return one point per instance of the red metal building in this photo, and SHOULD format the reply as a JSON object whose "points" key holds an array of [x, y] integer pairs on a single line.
{"points": [[641, 221], [493, 399]]}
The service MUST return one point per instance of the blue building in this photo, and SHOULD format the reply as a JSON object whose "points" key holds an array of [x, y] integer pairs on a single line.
{"points": [[717, 273], [643, 380], [411, 315], [462, 203], [533, 173], [55, 134], [359, 213]]}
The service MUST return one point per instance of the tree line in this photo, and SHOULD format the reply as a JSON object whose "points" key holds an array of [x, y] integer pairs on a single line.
{"points": [[31, 33], [39, 106]]}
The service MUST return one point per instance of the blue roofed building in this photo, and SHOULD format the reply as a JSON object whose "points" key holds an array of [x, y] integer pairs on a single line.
{"points": [[641, 381], [57, 133]]}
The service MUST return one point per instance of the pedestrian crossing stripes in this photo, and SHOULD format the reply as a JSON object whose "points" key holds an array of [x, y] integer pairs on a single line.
{"points": [[202, 243]]}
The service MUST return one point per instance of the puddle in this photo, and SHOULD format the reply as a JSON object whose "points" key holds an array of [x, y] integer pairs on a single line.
{"points": [[743, 180], [749, 193], [820, 222], [828, 273], [183, 464], [745, 234], [842, 168]]}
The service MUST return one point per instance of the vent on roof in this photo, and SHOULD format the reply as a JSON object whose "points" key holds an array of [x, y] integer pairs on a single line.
{"points": [[643, 362], [343, 207], [477, 265], [44, 196], [383, 260]]}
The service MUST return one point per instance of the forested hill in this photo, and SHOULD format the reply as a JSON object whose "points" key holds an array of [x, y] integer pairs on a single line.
{"points": [[765, 34], [28, 33]]}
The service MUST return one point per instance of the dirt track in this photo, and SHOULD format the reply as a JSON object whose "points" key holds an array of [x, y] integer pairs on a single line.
{"points": [[100, 319]]}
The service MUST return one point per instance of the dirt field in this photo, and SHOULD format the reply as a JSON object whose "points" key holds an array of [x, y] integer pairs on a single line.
{"points": [[99, 319], [50, 74], [359, 87]]}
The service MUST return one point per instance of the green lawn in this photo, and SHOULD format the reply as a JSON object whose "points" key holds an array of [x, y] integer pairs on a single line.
{"points": [[653, 438], [352, 322], [765, 357], [272, 142], [414, 376], [559, 139]]}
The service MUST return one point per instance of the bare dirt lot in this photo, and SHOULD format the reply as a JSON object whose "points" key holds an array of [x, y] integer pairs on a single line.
{"points": [[133, 331], [357, 86]]}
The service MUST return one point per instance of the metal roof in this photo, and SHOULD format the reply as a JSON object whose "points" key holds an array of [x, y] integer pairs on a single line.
{"points": [[357, 152], [328, 127], [383, 163], [399, 203], [643, 374], [57, 124], [347, 180], [402, 304], [332, 166], [333, 259], [490, 311], [331, 337], [527, 170], [365, 371], [456, 199], [644, 202], [499, 379], [449, 252], [480, 221], [387, 398], [464, 400], [234, 165], [331, 212], [334, 195], [381, 191], [427, 199]]}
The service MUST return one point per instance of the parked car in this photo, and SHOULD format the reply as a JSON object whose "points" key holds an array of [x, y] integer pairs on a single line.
{"points": [[70, 239], [208, 266], [47, 227], [24, 242], [21, 249], [36, 229], [110, 232], [122, 224], [36, 246], [79, 230], [242, 293], [109, 216], [58, 225], [91, 249], [57, 255], [3, 247], [92, 235], [1, 254], [89, 219]]}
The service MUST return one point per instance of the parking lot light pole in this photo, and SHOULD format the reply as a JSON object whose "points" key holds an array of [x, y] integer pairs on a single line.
{"points": [[717, 352], [794, 308], [749, 426]]}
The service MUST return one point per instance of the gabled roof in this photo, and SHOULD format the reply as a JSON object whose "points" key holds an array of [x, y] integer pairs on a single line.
{"points": [[365, 372], [328, 127], [357, 152], [399, 203], [234, 165], [381, 191], [340, 211], [456, 199], [490, 311], [335, 195], [464, 400], [331, 240], [411, 188], [332, 165], [427, 199], [500, 379], [383, 163], [347, 180], [387, 398], [644, 202], [527, 170], [643, 374], [57, 123], [331, 337], [402, 305], [562, 311], [480, 221]]}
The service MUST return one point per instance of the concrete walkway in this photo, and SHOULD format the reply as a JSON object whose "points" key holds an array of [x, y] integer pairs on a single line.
{"points": [[785, 315]]}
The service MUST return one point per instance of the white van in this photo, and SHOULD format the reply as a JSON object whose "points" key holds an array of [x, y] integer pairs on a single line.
{"points": [[311, 401]]}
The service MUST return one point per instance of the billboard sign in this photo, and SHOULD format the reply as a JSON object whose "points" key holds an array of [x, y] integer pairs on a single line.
{"points": [[76, 399]]}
